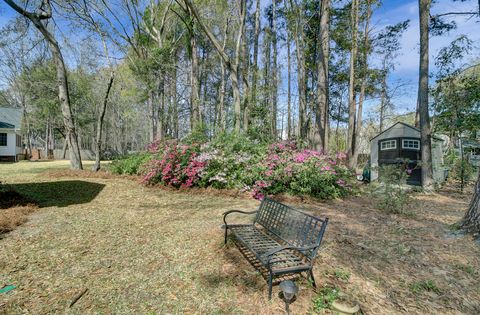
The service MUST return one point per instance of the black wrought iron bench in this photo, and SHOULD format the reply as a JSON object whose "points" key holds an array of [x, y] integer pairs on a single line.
{"points": [[284, 240]]}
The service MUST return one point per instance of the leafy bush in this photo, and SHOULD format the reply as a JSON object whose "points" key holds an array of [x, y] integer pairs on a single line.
{"points": [[395, 196], [229, 160], [286, 168], [174, 165], [462, 170], [234, 161], [130, 164]]}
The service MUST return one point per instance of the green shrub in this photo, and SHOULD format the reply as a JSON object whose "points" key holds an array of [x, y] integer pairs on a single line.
{"points": [[234, 161], [395, 195], [130, 164]]}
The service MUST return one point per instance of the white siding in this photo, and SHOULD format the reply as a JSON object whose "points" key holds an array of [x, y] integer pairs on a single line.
{"points": [[10, 149]]}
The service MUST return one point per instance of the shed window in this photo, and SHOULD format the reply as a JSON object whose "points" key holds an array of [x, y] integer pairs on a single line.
{"points": [[19, 141], [3, 139], [388, 145], [410, 144]]}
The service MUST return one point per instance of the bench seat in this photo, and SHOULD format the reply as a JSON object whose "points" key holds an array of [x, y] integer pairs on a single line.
{"points": [[260, 243]]}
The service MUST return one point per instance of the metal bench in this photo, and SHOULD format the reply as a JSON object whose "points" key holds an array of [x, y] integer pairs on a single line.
{"points": [[284, 240]]}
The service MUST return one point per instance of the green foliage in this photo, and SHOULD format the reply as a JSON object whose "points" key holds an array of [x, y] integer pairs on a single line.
{"points": [[234, 161], [394, 196], [418, 287], [325, 297], [460, 169], [342, 274], [456, 94], [131, 164], [197, 136], [323, 185]]}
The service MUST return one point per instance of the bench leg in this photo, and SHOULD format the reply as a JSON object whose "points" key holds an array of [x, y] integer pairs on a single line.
{"points": [[312, 278], [226, 230], [270, 284]]}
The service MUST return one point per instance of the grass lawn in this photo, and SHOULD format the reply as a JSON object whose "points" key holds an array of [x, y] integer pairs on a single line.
{"points": [[155, 251]]}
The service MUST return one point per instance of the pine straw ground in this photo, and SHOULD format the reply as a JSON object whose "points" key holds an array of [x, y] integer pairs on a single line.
{"points": [[149, 250]]}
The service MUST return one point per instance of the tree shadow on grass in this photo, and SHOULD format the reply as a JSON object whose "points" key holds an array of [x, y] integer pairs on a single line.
{"points": [[59, 193]]}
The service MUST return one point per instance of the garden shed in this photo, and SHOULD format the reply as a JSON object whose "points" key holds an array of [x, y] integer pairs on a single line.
{"points": [[399, 143]]}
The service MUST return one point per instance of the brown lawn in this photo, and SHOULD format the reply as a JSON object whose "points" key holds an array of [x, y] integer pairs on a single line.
{"points": [[155, 251]]}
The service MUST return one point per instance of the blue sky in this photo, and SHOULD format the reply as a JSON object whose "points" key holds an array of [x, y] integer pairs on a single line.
{"points": [[391, 12], [407, 69]]}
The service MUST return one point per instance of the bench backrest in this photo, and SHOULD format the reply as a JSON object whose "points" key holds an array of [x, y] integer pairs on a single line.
{"points": [[294, 227]]}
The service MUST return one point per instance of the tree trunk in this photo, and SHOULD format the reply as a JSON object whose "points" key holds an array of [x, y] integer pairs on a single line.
{"points": [[471, 220], [44, 12], [232, 66], [321, 108], [289, 89], [274, 73], [246, 88], [234, 73], [174, 99], [101, 116], [383, 101], [351, 87], [302, 100], [153, 116], [221, 106], [194, 95], [358, 124], [253, 93], [425, 132], [65, 147], [266, 88]]}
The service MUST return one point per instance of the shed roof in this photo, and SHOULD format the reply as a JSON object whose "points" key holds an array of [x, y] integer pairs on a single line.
{"points": [[406, 125], [11, 116]]}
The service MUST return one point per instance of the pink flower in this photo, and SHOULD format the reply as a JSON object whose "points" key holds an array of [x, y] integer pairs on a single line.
{"points": [[341, 155], [300, 157]]}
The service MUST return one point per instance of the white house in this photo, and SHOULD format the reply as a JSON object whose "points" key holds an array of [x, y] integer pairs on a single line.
{"points": [[10, 134], [401, 142]]}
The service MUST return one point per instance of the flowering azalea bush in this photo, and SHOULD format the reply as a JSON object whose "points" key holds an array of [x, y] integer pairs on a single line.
{"points": [[286, 168], [236, 162], [174, 165]]}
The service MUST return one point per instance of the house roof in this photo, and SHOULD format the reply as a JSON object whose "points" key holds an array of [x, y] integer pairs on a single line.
{"points": [[11, 116], [406, 125], [6, 126]]}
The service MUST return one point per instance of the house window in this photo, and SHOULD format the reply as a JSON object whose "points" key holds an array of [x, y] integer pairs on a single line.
{"points": [[388, 145], [19, 141], [3, 139], [411, 144]]}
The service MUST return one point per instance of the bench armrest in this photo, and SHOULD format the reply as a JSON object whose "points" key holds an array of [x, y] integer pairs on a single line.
{"points": [[269, 255], [236, 211]]}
